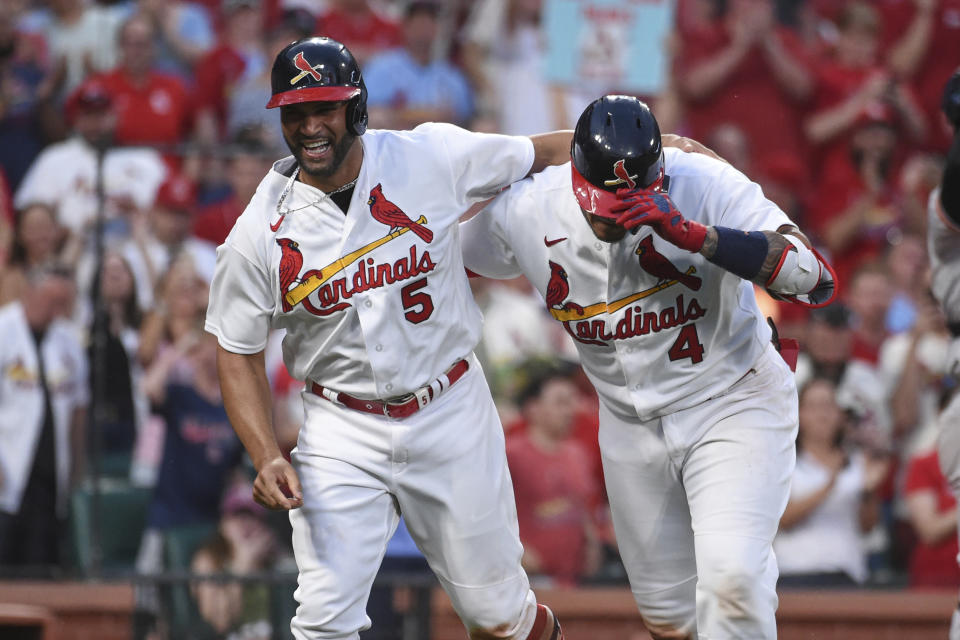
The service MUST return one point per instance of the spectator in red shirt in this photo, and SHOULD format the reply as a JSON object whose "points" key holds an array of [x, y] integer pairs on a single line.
{"points": [[923, 47], [248, 160], [241, 54], [852, 84], [152, 108], [860, 208], [868, 297], [356, 24], [552, 483], [933, 514], [744, 69]]}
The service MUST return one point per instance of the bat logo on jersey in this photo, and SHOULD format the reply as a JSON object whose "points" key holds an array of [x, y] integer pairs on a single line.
{"points": [[623, 177], [558, 288], [656, 264], [583, 325], [306, 69], [333, 293], [393, 216]]}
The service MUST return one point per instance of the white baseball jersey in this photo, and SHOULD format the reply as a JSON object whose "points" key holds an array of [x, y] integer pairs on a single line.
{"points": [[943, 245], [659, 329], [376, 302], [64, 177], [21, 400]]}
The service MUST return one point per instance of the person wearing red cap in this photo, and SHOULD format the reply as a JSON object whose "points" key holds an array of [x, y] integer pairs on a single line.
{"points": [[163, 232]]}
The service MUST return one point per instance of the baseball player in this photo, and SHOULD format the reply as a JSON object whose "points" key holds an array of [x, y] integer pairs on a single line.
{"points": [[648, 256], [352, 246], [943, 245]]}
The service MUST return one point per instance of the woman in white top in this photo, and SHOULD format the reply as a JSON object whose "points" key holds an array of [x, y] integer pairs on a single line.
{"points": [[833, 499]]}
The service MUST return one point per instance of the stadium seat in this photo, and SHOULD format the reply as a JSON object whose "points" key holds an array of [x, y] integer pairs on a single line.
{"points": [[122, 515]]}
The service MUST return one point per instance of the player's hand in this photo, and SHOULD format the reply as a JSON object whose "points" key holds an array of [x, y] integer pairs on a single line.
{"points": [[277, 486], [642, 207]]}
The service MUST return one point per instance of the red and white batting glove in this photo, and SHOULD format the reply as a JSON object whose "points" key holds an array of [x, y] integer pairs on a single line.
{"points": [[642, 207]]}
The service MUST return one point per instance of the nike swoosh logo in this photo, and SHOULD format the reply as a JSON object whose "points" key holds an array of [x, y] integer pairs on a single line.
{"points": [[276, 225], [550, 243]]}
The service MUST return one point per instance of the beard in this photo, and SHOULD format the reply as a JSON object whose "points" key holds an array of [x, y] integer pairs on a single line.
{"points": [[338, 150]]}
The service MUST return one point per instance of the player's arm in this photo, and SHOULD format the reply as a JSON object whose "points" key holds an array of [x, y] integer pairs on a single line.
{"points": [[241, 303], [550, 149], [247, 398], [783, 261]]}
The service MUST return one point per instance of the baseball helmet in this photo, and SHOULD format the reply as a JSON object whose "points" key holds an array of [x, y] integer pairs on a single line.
{"points": [[616, 145], [320, 70]]}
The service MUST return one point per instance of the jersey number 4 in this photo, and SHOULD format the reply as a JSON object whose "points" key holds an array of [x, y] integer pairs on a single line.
{"points": [[412, 297], [687, 345]]}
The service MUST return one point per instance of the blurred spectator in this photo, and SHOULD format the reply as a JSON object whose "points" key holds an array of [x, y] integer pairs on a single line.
{"points": [[64, 175], [200, 448], [178, 312], [503, 54], [516, 328], [730, 142], [248, 160], [28, 118], [81, 36], [152, 108], [925, 49], [833, 499], [826, 349], [36, 239], [852, 86], [907, 264], [859, 210], [933, 514], [243, 544], [862, 389], [552, 480], [182, 31], [914, 364], [162, 233], [743, 68], [408, 86], [42, 412], [247, 110], [362, 28], [123, 409], [239, 55]]}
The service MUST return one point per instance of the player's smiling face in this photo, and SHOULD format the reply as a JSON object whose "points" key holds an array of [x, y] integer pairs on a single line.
{"points": [[317, 135], [605, 229]]}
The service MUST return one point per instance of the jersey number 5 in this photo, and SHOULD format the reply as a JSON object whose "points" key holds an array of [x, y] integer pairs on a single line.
{"points": [[687, 345], [411, 297]]}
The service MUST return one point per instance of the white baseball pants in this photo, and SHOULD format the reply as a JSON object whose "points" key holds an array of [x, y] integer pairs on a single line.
{"points": [[445, 469], [696, 497]]}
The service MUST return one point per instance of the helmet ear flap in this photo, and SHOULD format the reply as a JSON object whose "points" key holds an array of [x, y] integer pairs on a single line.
{"points": [[357, 115]]}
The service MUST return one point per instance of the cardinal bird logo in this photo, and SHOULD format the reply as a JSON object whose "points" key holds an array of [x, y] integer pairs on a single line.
{"points": [[623, 177], [291, 261], [656, 264], [393, 216], [558, 288], [306, 69]]}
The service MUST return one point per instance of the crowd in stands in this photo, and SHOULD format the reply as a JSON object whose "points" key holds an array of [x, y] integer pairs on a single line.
{"points": [[133, 132]]}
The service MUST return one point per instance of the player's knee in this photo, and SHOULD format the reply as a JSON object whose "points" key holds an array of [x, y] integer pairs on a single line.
{"points": [[734, 589]]}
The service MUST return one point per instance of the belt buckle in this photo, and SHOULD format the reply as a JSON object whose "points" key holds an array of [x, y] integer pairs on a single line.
{"points": [[423, 396]]}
